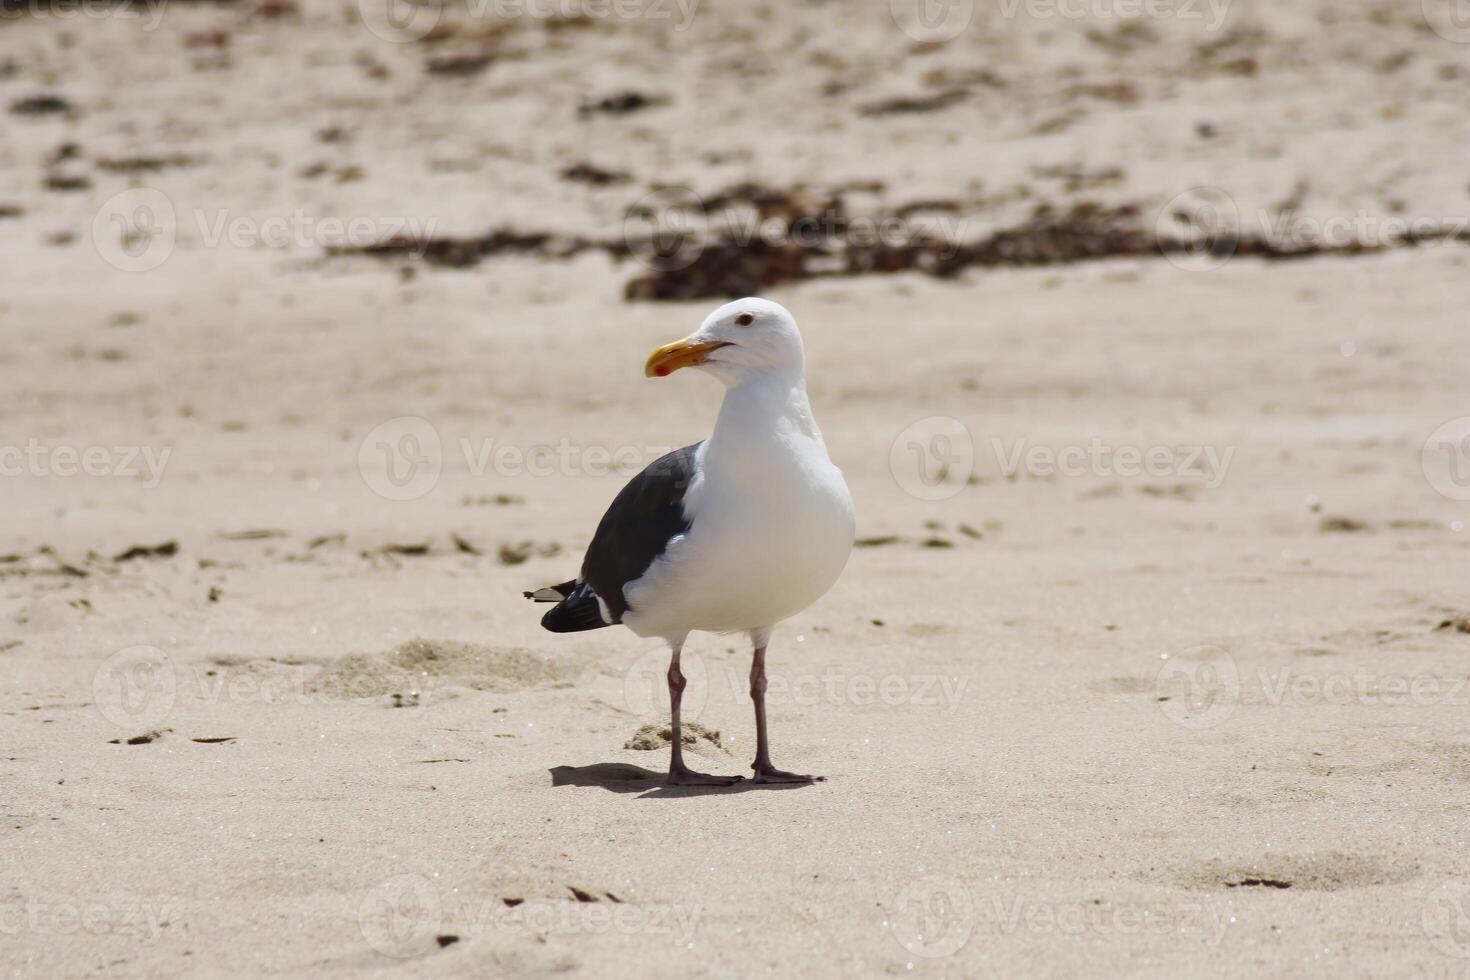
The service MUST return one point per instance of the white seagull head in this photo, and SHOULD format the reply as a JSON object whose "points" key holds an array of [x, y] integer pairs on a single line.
{"points": [[740, 340]]}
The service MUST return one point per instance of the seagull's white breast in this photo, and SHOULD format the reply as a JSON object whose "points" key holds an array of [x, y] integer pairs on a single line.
{"points": [[771, 528]]}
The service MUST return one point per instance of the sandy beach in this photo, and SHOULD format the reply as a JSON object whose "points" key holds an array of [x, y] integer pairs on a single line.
{"points": [[323, 340]]}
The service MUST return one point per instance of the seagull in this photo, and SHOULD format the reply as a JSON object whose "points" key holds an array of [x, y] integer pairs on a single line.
{"points": [[733, 534]]}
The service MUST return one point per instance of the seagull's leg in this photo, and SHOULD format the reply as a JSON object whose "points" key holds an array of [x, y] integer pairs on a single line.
{"points": [[764, 771], [680, 774]]}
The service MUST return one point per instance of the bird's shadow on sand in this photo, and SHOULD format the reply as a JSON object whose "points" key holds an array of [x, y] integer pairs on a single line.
{"points": [[621, 777]]}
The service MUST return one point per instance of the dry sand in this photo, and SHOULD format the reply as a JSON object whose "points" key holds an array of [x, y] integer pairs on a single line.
{"points": [[1202, 720]]}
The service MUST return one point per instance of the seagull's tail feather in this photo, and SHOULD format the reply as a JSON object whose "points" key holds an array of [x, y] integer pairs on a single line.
{"points": [[576, 609], [552, 593]]}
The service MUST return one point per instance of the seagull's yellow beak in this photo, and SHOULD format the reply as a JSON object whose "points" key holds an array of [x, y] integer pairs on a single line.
{"points": [[681, 353]]}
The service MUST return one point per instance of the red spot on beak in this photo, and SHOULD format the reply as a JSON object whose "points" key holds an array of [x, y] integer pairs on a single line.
{"points": [[661, 371]]}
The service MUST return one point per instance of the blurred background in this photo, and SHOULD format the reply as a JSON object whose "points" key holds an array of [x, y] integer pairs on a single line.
{"points": [[253, 231]]}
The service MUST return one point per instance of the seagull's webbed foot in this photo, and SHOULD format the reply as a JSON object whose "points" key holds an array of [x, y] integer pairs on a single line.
{"points": [[768, 773], [681, 775]]}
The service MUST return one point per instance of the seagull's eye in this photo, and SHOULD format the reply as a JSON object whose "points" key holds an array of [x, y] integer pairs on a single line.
{"points": [[745, 319]]}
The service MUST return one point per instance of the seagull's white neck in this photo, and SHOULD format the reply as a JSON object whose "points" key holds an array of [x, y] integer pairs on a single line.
{"points": [[763, 410]]}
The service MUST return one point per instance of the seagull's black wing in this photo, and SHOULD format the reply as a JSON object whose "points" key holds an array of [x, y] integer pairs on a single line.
{"points": [[636, 529]]}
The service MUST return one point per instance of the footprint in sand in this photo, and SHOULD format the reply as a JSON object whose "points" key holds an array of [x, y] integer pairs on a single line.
{"points": [[1324, 872]]}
